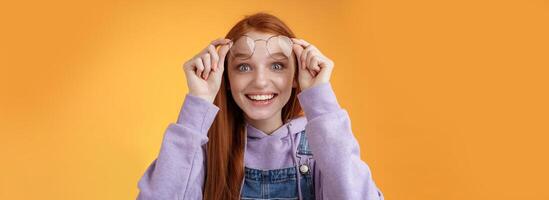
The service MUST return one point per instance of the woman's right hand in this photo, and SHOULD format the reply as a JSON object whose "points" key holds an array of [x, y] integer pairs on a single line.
{"points": [[205, 70]]}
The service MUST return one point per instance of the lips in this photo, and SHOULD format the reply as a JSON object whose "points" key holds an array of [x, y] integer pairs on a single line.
{"points": [[261, 99]]}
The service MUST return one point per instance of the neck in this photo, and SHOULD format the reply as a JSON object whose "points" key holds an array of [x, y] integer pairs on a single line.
{"points": [[268, 126]]}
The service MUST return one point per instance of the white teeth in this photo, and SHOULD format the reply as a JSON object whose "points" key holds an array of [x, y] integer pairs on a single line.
{"points": [[261, 97]]}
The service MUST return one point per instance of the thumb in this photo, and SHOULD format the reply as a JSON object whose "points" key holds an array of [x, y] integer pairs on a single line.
{"points": [[298, 49], [223, 53]]}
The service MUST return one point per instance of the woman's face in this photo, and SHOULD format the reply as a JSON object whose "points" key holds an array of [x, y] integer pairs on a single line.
{"points": [[260, 84]]}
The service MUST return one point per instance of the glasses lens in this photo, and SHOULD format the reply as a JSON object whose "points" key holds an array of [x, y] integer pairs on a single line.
{"points": [[280, 47], [242, 48]]}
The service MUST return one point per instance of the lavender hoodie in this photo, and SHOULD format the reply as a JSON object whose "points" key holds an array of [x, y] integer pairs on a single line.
{"points": [[179, 170]]}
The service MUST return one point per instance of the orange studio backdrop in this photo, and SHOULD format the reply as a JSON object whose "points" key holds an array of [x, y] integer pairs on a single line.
{"points": [[448, 99]]}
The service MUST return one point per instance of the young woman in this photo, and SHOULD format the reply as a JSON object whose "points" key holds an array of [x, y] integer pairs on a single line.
{"points": [[260, 121]]}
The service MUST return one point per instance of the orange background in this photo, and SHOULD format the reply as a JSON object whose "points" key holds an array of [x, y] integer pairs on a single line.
{"points": [[448, 99]]}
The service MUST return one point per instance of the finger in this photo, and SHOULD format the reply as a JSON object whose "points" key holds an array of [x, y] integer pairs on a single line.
{"points": [[319, 60], [199, 66], [301, 42], [304, 44], [214, 57], [222, 54], [304, 55], [314, 63], [325, 63], [220, 41], [207, 65], [187, 65], [310, 55], [188, 68], [312, 72], [298, 51]]}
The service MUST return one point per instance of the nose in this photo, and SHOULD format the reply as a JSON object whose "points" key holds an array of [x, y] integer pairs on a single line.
{"points": [[261, 74], [261, 78]]}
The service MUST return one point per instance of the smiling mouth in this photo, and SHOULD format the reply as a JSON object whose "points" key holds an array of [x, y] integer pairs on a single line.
{"points": [[261, 100], [261, 97]]}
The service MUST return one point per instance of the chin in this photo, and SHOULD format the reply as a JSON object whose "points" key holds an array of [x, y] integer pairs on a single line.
{"points": [[258, 115]]}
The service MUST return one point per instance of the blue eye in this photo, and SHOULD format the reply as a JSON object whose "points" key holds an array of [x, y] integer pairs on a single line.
{"points": [[243, 67], [278, 66]]}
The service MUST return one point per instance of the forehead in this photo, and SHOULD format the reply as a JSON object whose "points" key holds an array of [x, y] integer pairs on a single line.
{"points": [[255, 35]]}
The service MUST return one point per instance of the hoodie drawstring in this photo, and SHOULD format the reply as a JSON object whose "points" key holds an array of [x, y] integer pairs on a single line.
{"points": [[295, 163]]}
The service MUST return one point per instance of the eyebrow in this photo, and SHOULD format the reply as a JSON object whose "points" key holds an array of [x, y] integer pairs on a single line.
{"points": [[279, 54], [243, 55], [240, 55]]}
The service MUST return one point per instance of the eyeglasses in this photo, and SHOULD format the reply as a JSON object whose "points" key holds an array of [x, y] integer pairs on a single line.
{"points": [[279, 47]]}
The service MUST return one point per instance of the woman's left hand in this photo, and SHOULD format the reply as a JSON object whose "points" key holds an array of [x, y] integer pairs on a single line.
{"points": [[314, 67]]}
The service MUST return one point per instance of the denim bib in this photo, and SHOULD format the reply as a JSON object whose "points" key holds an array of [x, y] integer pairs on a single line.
{"points": [[281, 184]]}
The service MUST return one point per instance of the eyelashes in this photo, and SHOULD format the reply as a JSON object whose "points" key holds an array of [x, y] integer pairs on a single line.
{"points": [[245, 67], [241, 67], [279, 66]]}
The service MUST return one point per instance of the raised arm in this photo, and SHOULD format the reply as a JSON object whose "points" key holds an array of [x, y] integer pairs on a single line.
{"points": [[179, 170], [343, 175]]}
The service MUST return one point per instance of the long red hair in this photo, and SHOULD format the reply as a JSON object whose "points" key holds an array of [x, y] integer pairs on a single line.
{"points": [[225, 147]]}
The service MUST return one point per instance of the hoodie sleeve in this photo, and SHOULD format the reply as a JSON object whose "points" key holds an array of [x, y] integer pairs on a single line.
{"points": [[343, 175], [178, 172]]}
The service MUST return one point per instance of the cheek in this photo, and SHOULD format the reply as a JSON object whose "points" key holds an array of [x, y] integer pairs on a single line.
{"points": [[237, 83], [292, 69], [285, 83], [288, 77]]}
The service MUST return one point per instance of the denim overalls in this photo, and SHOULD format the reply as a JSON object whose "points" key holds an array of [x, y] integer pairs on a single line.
{"points": [[281, 184]]}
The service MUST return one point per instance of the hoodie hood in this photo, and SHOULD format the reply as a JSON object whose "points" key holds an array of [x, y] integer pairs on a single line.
{"points": [[272, 151]]}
